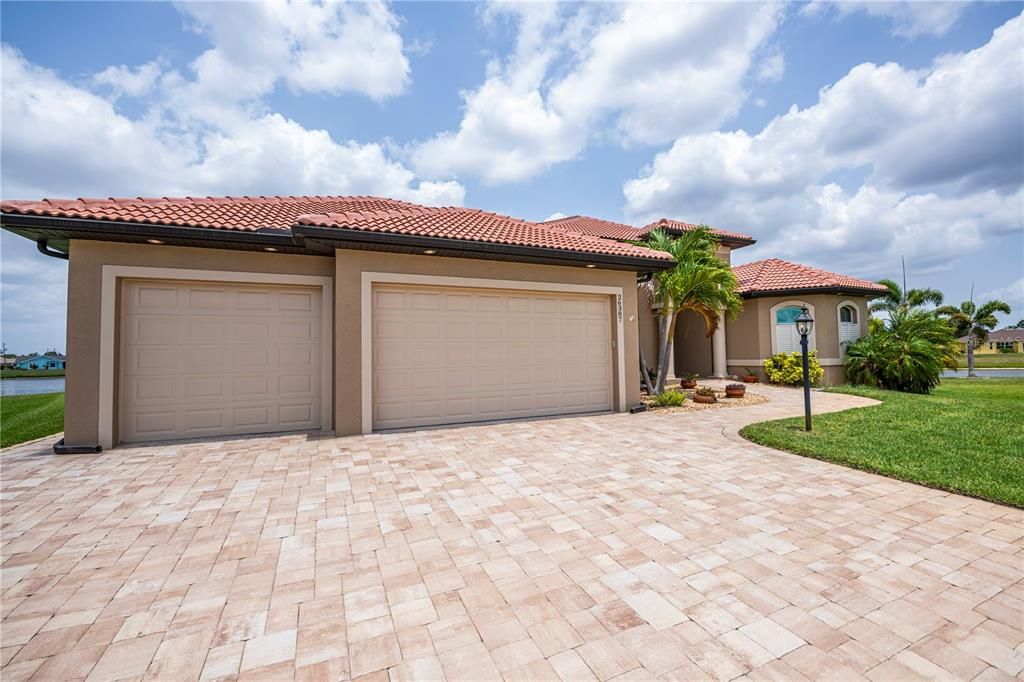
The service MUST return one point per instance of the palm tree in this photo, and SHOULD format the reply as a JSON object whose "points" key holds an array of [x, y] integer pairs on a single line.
{"points": [[700, 282], [901, 298], [974, 322]]}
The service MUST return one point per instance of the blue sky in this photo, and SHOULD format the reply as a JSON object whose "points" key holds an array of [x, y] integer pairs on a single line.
{"points": [[843, 136]]}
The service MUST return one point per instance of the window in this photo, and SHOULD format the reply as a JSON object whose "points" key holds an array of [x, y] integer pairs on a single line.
{"points": [[1004, 345], [787, 340], [849, 325]]}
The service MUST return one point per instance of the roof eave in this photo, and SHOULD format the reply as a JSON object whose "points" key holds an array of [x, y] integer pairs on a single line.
{"points": [[808, 291], [464, 248], [322, 241]]}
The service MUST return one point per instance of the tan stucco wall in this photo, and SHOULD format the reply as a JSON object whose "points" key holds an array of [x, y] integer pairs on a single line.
{"points": [[749, 336], [351, 264], [85, 271]]}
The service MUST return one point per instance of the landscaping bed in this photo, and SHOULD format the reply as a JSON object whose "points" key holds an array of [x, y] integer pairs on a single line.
{"points": [[691, 406], [965, 437]]}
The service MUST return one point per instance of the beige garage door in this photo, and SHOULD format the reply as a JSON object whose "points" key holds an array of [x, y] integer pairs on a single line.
{"points": [[444, 355], [201, 359]]}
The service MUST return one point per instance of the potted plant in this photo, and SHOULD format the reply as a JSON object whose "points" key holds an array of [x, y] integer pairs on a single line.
{"points": [[735, 390], [748, 376], [704, 395], [689, 380]]}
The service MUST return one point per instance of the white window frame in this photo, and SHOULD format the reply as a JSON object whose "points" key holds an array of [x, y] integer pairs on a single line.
{"points": [[839, 323], [812, 341], [108, 329]]}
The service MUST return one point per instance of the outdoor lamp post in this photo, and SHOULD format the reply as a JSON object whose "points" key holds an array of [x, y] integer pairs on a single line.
{"points": [[804, 325]]}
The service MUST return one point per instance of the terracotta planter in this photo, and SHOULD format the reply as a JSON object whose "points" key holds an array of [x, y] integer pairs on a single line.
{"points": [[706, 399], [749, 379], [738, 392], [688, 383]]}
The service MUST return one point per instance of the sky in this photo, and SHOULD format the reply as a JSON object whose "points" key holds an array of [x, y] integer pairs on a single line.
{"points": [[845, 136]]}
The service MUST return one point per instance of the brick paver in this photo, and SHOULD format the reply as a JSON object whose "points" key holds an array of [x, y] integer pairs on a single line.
{"points": [[607, 547]]}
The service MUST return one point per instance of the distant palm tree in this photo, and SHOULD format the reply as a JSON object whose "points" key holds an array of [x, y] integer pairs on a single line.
{"points": [[700, 282], [899, 298], [974, 322]]}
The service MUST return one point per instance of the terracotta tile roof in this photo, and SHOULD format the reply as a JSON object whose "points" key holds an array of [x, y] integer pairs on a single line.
{"points": [[224, 213], [364, 213], [597, 227], [773, 275], [479, 226], [612, 230], [680, 226]]}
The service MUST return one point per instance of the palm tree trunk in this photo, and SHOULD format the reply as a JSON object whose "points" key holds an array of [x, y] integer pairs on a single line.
{"points": [[643, 370], [970, 355], [664, 346]]}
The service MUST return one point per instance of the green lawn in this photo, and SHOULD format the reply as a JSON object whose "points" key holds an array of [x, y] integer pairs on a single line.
{"points": [[27, 417], [991, 360], [966, 437], [30, 373]]}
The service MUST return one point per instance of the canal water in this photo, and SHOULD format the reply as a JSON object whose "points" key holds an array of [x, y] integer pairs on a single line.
{"points": [[29, 386]]}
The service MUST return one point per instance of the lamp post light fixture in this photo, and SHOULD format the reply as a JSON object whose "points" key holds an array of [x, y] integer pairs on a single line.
{"points": [[804, 325]]}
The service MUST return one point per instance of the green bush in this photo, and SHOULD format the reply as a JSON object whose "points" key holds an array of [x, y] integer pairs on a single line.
{"points": [[670, 399], [788, 369], [908, 354]]}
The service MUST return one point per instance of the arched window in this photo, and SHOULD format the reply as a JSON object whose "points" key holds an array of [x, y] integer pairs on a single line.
{"points": [[849, 325], [785, 338]]}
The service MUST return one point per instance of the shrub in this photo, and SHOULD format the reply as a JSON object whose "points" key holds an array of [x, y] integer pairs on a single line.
{"points": [[669, 399], [787, 369], [908, 354], [704, 390], [690, 376]]}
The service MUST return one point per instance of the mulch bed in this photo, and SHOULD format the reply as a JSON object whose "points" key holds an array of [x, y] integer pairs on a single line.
{"points": [[690, 406]]}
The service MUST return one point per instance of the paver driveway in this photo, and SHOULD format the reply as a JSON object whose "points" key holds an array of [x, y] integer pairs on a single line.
{"points": [[612, 546]]}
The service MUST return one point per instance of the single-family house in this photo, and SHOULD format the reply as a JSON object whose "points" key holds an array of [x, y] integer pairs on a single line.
{"points": [[195, 317], [773, 291], [1009, 340], [47, 360]]}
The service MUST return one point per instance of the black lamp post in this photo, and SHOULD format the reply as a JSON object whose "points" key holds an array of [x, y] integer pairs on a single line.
{"points": [[804, 325]]}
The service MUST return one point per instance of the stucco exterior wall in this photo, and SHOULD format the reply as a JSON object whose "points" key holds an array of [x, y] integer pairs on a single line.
{"points": [[85, 270], [351, 264], [749, 337]]}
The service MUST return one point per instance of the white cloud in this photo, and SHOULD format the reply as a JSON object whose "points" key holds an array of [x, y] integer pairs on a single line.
{"points": [[908, 19], [888, 161], [331, 47], [654, 71], [33, 297], [554, 216], [124, 80], [772, 67], [63, 140]]}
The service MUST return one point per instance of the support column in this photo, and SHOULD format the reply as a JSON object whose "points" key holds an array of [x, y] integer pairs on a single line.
{"points": [[718, 353]]}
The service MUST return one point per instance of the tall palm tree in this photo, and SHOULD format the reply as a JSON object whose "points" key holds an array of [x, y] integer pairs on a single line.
{"points": [[700, 282], [974, 321], [901, 298]]}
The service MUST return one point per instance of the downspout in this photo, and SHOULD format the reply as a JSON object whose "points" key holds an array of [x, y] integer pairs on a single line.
{"points": [[44, 248]]}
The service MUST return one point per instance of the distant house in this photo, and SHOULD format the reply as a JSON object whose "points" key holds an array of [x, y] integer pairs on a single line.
{"points": [[7, 361], [48, 360], [1007, 340]]}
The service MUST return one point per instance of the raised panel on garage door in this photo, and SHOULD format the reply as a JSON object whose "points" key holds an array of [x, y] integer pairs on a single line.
{"points": [[207, 359], [446, 355]]}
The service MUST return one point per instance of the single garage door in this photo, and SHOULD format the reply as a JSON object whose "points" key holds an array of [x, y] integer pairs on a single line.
{"points": [[445, 355], [204, 359]]}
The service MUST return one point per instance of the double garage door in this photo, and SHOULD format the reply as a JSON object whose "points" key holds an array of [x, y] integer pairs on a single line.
{"points": [[445, 355], [209, 359]]}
